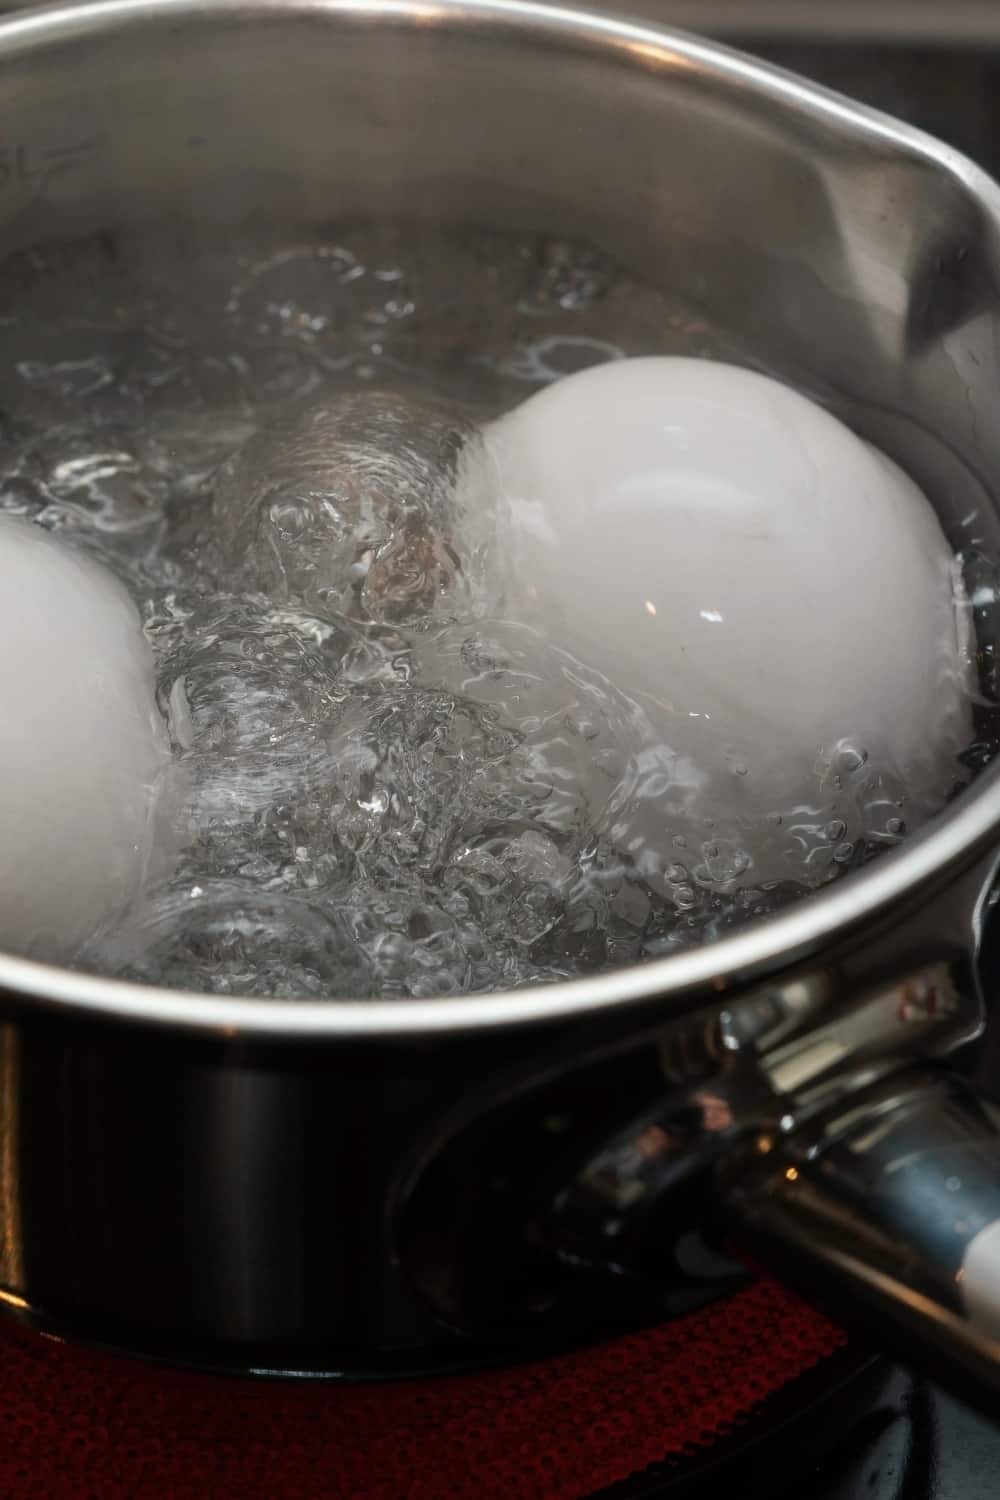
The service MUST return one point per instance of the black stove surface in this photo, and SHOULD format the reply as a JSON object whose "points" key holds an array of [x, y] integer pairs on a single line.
{"points": [[874, 1433]]}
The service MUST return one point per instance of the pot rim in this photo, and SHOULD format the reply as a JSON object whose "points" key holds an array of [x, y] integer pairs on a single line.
{"points": [[951, 843]]}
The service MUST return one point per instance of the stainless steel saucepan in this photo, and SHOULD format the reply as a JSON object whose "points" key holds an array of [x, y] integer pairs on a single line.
{"points": [[399, 1185]]}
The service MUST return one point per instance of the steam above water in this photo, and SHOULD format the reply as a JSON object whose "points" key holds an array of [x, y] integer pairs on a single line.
{"points": [[391, 773]]}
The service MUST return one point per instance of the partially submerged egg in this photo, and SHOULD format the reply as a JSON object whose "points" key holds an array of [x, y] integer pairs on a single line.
{"points": [[82, 746], [778, 592], [345, 505]]}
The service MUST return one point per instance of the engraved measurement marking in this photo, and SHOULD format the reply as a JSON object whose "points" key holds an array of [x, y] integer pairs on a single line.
{"points": [[36, 169]]}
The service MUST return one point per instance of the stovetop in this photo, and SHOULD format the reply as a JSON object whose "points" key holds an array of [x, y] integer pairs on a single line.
{"points": [[874, 1432]]}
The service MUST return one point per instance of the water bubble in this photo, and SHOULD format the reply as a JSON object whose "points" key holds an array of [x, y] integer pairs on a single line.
{"points": [[551, 358], [722, 863], [570, 276], [850, 759], [238, 940]]}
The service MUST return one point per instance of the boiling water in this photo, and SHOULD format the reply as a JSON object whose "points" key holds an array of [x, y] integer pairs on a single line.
{"points": [[377, 788]]}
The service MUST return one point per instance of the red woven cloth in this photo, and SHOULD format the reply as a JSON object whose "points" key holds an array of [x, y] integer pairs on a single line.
{"points": [[96, 1426]]}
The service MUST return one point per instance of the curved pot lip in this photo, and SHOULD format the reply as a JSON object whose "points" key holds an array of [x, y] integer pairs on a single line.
{"points": [[950, 844]]}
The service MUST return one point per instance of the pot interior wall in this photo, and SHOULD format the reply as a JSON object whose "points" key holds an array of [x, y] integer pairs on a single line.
{"points": [[865, 273]]}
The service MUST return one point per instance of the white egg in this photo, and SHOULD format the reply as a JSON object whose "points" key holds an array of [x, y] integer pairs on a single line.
{"points": [[82, 745], [781, 593]]}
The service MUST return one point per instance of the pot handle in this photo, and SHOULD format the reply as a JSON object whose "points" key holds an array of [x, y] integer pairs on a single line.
{"points": [[886, 1207]]}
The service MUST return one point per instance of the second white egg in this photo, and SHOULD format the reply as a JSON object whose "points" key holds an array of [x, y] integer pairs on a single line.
{"points": [[780, 596]]}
